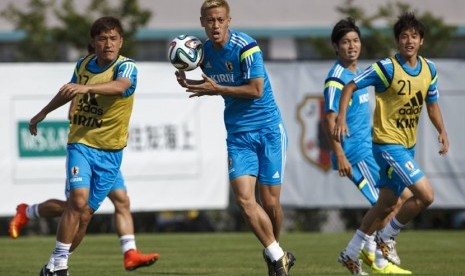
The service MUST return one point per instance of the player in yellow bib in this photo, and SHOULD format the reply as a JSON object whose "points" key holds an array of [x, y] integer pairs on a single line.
{"points": [[102, 87], [403, 84]]}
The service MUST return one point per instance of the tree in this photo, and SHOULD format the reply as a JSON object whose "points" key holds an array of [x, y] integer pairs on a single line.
{"points": [[46, 42], [379, 41]]}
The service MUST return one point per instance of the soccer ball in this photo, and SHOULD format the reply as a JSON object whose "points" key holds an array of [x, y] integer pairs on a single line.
{"points": [[185, 52]]}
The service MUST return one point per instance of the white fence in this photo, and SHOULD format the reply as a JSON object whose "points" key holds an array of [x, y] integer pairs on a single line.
{"points": [[176, 156]]}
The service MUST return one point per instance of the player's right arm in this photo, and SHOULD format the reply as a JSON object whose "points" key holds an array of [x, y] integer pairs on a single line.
{"points": [[341, 129], [183, 81], [55, 103], [343, 165]]}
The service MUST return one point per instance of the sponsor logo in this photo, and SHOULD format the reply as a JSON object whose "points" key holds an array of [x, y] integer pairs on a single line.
{"points": [[314, 143], [50, 141], [414, 106], [407, 122], [75, 179], [364, 98], [86, 108], [414, 173], [208, 65], [230, 164], [223, 78], [276, 175]]}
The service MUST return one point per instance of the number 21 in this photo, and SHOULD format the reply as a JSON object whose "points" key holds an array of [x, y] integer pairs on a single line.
{"points": [[404, 84]]}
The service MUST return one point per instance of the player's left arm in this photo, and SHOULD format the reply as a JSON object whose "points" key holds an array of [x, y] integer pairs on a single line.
{"points": [[435, 116], [434, 112]]}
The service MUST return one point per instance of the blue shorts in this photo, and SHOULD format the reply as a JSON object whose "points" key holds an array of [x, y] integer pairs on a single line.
{"points": [[94, 169], [365, 175], [398, 168], [118, 185], [260, 153]]}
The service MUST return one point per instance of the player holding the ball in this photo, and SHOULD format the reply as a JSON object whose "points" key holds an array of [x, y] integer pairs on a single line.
{"points": [[256, 138]]}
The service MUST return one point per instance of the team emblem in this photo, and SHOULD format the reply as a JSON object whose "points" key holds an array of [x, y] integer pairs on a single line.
{"points": [[314, 143], [229, 66], [409, 165], [75, 170]]}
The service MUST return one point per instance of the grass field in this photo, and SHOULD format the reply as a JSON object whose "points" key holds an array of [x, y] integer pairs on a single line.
{"points": [[423, 252]]}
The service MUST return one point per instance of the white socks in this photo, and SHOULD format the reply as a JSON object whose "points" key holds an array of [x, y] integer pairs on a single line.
{"points": [[127, 242], [32, 211], [60, 256], [356, 244], [274, 251], [391, 230], [370, 244]]}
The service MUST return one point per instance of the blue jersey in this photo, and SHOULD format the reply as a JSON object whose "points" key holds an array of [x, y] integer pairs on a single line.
{"points": [[358, 145], [239, 61]]}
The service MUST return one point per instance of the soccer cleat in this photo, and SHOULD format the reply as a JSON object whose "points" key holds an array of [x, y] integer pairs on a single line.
{"points": [[269, 264], [19, 221], [282, 266], [367, 258], [390, 268], [354, 267], [61, 272], [388, 249], [45, 271], [134, 259]]}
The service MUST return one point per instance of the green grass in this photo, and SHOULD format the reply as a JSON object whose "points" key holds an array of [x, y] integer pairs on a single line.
{"points": [[423, 252]]}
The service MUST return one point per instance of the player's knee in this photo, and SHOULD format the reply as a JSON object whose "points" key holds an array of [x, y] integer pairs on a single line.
{"points": [[271, 204], [78, 204], [428, 199], [245, 204]]}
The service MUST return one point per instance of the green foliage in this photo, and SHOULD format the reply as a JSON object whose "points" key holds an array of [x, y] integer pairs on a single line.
{"points": [[379, 42], [45, 41]]}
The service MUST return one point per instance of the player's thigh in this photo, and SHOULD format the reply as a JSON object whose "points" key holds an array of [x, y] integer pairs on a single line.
{"points": [[398, 169], [242, 155], [104, 174], [78, 169]]}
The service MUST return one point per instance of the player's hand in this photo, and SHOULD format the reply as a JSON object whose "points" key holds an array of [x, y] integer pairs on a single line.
{"points": [[208, 87], [340, 130], [70, 90], [442, 138], [344, 167], [34, 121], [181, 78]]}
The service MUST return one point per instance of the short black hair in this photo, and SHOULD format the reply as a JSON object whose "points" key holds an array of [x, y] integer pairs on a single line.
{"points": [[343, 27], [106, 23], [407, 21]]}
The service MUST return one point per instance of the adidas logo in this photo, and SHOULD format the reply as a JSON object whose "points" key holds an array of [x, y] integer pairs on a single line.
{"points": [[276, 175], [208, 65], [413, 106]]}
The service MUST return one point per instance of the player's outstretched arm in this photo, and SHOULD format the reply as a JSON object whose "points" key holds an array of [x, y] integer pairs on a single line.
{"points": [[55, 103], [341, 129]]}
